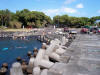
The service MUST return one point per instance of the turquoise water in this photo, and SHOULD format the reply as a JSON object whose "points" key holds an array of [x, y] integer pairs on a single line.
{"points": [[10, 49]]}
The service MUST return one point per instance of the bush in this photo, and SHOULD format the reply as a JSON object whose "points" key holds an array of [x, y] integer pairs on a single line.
{"points": [[15, 24]]}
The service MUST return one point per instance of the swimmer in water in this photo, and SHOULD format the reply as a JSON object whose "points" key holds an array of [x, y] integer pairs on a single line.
{"points": [[20, 47]]}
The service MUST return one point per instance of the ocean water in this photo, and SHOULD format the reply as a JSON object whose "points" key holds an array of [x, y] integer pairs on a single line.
{"points": [[10, 49]]}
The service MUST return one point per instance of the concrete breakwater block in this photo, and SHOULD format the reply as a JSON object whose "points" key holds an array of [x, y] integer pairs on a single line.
{"points": [[36, 71], [64, 40], [29, 69], [44, 72], [54, 72], [16, 69], [60, 51], [65, 59], [64, 47], [30, 65], [46, 64], [31, 61], [56, 41], [50, 49], [40, 55], [55, 56], [41, 60], [57, 69]]}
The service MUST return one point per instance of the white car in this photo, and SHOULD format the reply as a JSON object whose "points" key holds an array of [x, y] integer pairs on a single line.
{"points": [[73, 31]]}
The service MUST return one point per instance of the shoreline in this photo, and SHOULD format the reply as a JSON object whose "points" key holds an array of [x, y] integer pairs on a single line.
{"points": [[17, 30], [54, 36]]}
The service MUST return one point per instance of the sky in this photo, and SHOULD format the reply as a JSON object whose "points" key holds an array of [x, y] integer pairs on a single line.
{"points": [[78, 8]]}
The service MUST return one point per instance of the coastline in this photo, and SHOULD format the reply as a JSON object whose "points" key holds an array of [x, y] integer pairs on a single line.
{"points": [[16, 30]]}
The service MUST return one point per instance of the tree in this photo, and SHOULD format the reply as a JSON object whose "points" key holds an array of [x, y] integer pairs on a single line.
{"points": [[15, 24], [56, 20], [93, 19], [31, 24], [71, 21], [84, 20], [38, 24], [5, 17], [25, 17], [39, 19], [64, 21], [99, 24]]}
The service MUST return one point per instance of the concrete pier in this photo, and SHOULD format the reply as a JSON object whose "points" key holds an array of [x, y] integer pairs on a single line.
{"points": [[85, 56], [82, 57]]}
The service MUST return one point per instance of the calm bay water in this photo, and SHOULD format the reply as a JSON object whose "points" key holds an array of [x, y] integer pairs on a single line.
{"points": [[10, 49]]}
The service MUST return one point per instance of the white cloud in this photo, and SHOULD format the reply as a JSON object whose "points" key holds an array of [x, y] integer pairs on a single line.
{"points": [[64, 10], [69, 10], [51, 11], [79, 5], [33, 10], [69, 1], [98, 11]]}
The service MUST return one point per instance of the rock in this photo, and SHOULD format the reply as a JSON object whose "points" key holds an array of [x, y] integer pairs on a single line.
{"points": [[5, 65], [18, 59], [3, 71]]}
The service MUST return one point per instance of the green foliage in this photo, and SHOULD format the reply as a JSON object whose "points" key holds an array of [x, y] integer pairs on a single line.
{"points": [[38, 24], [99, 24], [68, 21], [15, 24], [39, 19], [25, 17], [5, 17]]}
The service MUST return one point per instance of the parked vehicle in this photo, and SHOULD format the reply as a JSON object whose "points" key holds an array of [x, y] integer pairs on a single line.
{"points": [[73, 32], [66, 29], [84, 30], [94, 29], [98, 30]]}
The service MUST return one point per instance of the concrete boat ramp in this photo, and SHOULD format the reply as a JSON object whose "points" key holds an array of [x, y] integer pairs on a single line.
{"points": [[85, 57]]}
